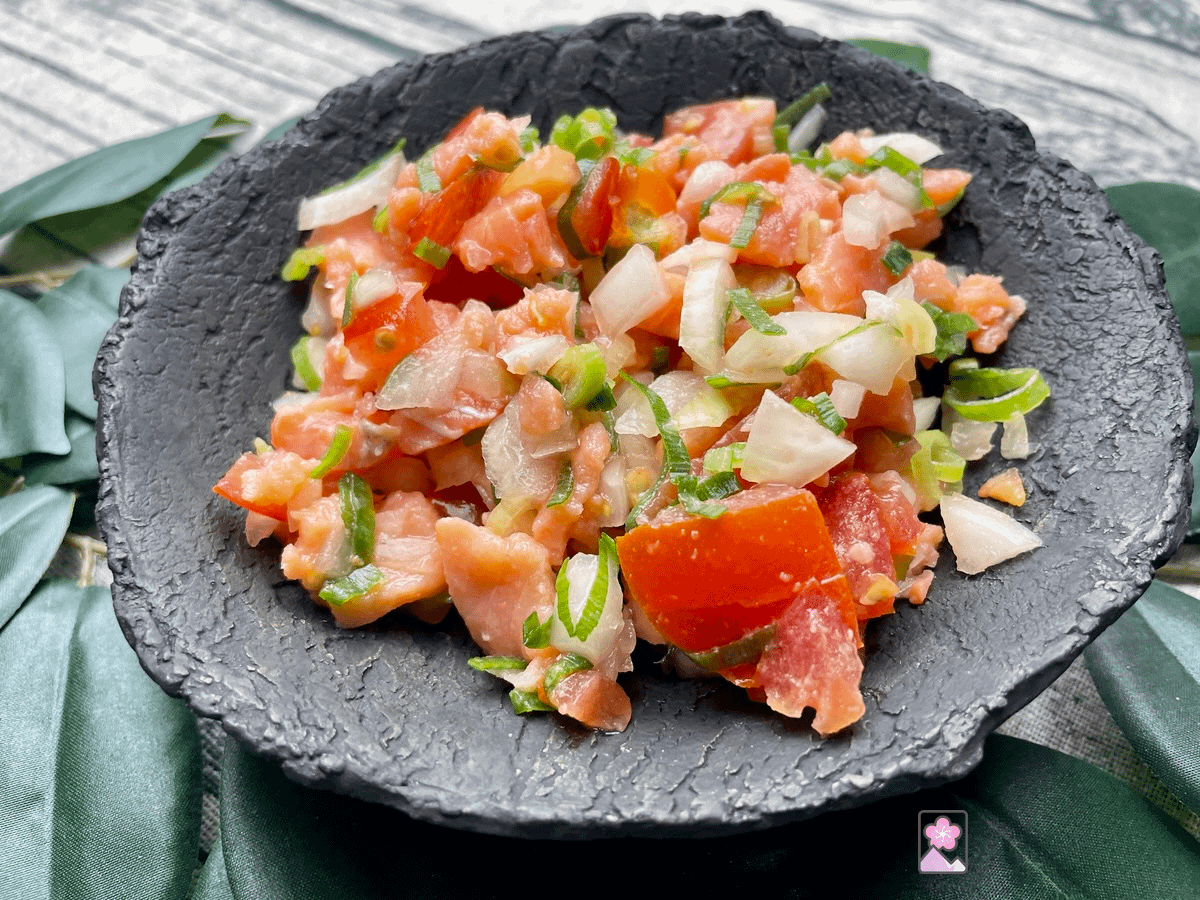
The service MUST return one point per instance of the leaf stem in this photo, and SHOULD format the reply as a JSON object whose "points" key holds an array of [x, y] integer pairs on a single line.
{"points": [[90, 550]]}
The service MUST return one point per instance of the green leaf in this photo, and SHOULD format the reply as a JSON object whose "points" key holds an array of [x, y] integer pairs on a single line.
{"points": [[32, 525], [212, 883], [103, 177], [914, 56], [1040, 824], [100, 770], [1147, 669], [31, 372], [78, 465], [80, 312]]}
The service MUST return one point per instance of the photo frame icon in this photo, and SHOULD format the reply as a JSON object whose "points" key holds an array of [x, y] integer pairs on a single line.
{"points": [[942, 842]]}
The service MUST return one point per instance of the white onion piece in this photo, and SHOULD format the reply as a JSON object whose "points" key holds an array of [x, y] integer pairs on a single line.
{"points": [[697, 250], [632, 291], [618, 352], [561, 440], [925, 410], [614, 491], [427, 377], [316, 318], [292, 399], [690, 400], [1014, 441], [761, 358], [868, 219], [982, 536], [897, 188], [806, 130], [920, 150], [702, 317], [373, 286], [511, 469], [873, 357], [537, 354], [786, 446], [971, 440], [898, 308], [353, 197], [847, 397], [581, 574]]}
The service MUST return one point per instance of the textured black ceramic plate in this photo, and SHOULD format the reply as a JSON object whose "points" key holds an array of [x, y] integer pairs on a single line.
{"points": [[393, 714]]}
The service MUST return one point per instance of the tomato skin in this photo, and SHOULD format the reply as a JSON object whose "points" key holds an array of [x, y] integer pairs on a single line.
{"points": [[704, 583], [586, 219]]}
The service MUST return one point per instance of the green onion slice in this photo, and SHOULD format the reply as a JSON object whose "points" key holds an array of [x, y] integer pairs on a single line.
{"points": [[935, 468], [593, 607], [739, 190], [746, 649], [675, 456], [303, 365], [348, 303], [993, 394], [300, 262], [534, 634], [952, 331], [813, 354], [380, 222], [588, 135], [529, 139], [427, 176], [718, 486], [794, 111], [432, 252], [527, 702], [890, 158], [821, 408], [563, 667], [497, 663], [356, 584], [754, 314], [565, 486], [358, 514], [338, 445], [779, 134], [896, 258], [581, 372], [724, 459], [745, 229]]}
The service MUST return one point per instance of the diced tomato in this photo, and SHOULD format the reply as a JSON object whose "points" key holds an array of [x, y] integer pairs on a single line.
{"points": [[454, 284], [642, 197], [706, 582], [445, 213], [813, 662], [549, 172], [586, 219]]}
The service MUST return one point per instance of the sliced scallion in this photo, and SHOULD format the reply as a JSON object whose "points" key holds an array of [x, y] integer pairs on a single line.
{"points": [[821, 408], [597, 595], [746, 649], [356, 584], [529, 139], [527, 702], [534, 634], [745, 229], [497, 663], [338, 445], [604, 400], [754, 314], [724, 459], [896, 258], [588, 135], [432, 252], [738, 190], [718, 486], [380, 222], [952, 331], [348, 302], [300, 262], [358, 514], [565, 666], [581, 372], [993, 394], [427, 176], [302, 363], [794, 111], [565, 486]]}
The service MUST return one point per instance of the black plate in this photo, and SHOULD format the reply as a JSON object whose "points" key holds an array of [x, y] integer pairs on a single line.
{"points": [[393, 713]]}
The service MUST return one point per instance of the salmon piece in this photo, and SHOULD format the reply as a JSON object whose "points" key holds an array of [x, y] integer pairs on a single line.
{"points": [[514, 233], [837, 275], [542, 310], [594, 700], [308, 430], [931, 284], [854, 517], [265, 483], [553, 524], [813, 662], [407, 552], [996, 311], [541, 408], [734, 130], [320, 551], [1006, 486], [495, 583], [848, 145], [484, 137]]}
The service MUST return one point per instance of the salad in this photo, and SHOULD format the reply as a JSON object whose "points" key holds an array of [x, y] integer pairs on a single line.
{"points": [[606, 387]]}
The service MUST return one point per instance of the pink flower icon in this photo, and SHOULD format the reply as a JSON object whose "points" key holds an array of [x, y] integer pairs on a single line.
{"points": [[942, 834]]}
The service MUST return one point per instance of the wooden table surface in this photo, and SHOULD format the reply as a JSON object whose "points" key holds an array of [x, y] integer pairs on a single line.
{"points": [[1111, 85]]}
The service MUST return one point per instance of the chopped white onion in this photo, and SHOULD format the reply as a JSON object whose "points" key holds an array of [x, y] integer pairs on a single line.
{"points": [[353, 197], [536, 354], [632, 291], [982, 536], [513, 471], [920, 150], [690, 400], [847, 397], [427, 377], [581, 570], [971, 440], [801, 137], [899, 308], [316, 318], [1014, 441], [897, 188], [702, 317], [873, 357], [868, 219], [697, 250], [614, 490], [761, 358], [925, 410], [786, 446], [374, 285]]}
